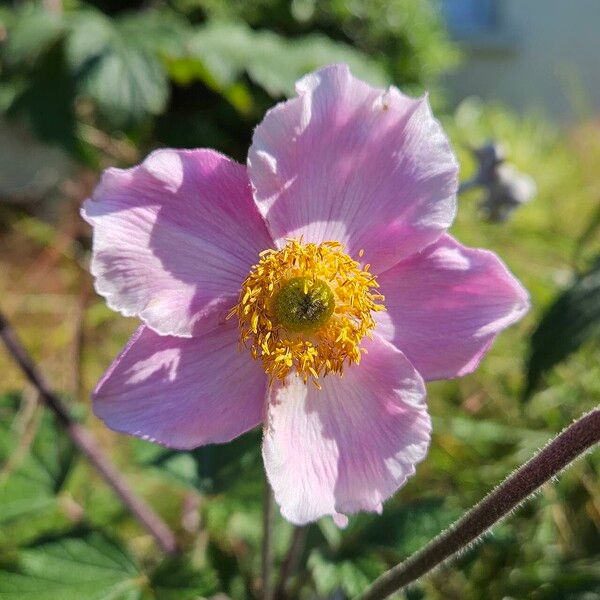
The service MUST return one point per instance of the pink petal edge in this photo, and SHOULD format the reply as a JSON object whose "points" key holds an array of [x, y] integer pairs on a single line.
{"points": [[351, 445], [446, 305], [182, 392], [174, 238], [344, 161]]}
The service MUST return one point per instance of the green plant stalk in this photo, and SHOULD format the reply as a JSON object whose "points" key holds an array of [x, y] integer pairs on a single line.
{"points": [[570, 444], [291, 561]]}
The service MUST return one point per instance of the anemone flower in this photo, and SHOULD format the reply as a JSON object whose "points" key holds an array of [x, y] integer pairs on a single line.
{"points": [[313, 290]]}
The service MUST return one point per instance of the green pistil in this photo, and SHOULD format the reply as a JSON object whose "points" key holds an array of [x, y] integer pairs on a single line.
{"points": [[303, 304]]}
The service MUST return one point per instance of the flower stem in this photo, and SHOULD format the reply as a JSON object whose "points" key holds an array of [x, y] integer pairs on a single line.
{"points": [[83, 440], [291, 561], [267, 543], [568, 445]]}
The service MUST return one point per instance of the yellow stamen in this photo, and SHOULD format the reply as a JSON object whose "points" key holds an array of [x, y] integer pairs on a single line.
{"points": [[306, 308]]}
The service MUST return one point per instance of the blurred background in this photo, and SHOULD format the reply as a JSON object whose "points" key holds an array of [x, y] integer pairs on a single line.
{"points": [[86, 85]]}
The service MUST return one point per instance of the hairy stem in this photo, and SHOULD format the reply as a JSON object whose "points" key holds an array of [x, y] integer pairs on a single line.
{"points": [[568, 445], [86, 443], [267, 543]]}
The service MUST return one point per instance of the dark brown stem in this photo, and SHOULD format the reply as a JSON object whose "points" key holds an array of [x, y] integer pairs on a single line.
{"points": [[291, 561], [267, 543], [87, 444], [568, 445]]}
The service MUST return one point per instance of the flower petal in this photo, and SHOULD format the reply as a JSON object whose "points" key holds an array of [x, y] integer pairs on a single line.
{"points": [[344, 161], [446, 305], [181, 392], [351, 445], [174, 238]]}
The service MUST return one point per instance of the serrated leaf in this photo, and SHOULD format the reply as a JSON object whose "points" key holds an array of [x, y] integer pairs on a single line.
{"points": [[178, 579], [116, 70], [274, 63], [30, 482], [277, 72], [127, 84], [572, 320], [73, 567], [90, 33]]}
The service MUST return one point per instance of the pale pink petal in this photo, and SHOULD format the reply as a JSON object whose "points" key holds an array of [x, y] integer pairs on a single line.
{"points": [[174, 238], [351, 445], [344, 161], [446, 305], [182, 392], [340, 520]]}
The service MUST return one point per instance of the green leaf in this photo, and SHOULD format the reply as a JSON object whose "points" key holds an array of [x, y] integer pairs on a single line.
{"points": [[590, 234], [227, 50], [46, 102], [484, 435], [211, 469], [277, 72], [73, 567], [32, 476], [164, 32], [114, 68], [90, 35], [127, 84], [406, 527], [32, 32], [572, 320], [178, 579], [349, 576]]}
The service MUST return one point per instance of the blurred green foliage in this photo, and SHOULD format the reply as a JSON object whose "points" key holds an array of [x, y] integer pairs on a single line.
{"points": [[198, 73], [108, 80], [569, 322]]}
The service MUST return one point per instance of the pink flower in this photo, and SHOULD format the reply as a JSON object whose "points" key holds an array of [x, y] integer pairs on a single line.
{"points": [[326, 253]]}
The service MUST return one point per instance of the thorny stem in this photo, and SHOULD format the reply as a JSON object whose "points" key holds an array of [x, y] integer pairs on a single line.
{"points": [[267, 543], [568, 445], [87, 444]]}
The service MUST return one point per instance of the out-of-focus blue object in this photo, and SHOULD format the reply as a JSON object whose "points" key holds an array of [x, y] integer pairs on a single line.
{"points": [[470, 17]]}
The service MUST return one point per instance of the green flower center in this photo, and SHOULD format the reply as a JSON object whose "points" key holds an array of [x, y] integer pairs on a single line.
{"points": [[303, 304]]}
